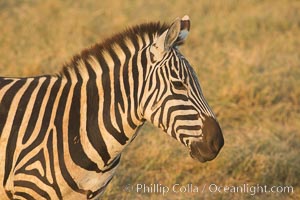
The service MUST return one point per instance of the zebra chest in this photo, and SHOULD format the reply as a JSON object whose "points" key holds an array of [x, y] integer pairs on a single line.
{"points": [[93, 184]]}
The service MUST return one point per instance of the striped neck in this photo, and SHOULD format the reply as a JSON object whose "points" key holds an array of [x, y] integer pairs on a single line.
{"points": [[111, 77]]}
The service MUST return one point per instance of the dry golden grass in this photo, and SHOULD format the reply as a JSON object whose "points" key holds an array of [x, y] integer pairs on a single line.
{"points": [[246, 54]]}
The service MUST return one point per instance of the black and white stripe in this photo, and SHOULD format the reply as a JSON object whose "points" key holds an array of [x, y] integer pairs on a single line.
{"points": [[62, 135]]}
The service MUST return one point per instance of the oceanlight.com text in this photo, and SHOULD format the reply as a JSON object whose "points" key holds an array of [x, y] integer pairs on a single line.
{"points": [[157, 188]]}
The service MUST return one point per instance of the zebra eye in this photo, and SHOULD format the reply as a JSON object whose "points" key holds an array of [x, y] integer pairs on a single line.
{"points": [[178, 85]]}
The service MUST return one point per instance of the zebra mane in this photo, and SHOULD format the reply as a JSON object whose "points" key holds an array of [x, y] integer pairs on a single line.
{"points": [[132, 34]]}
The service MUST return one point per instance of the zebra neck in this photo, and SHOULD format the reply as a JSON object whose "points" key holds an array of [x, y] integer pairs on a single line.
{"points": [[107, 89]]}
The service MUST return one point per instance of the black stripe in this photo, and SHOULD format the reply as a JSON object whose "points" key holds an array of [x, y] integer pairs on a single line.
{"points": [[60, 137], [32, 186], [155, 112], [120, 137], [125, 69], [188, 127], [135, 76], [117, 90], [24, 195], [182, 136], [175, 108], [51, 165], [151, 78], [5, 104], [176, 63], [92, 126], [144, 63], [9, 194], [184, 71], [4, 109], [158, 86], [77, 153], [149, 96], [4, 82], [36, 110], [183, 117], [165, 85], [125, 75]]}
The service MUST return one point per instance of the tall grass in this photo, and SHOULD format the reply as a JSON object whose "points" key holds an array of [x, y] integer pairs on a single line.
{"points": [[246, 54]]}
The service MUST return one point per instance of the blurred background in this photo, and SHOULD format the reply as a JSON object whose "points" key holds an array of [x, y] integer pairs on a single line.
{"points": [[247, 57]]}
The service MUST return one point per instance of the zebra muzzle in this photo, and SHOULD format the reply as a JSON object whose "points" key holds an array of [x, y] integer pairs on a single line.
{"points": [[209, 147]]}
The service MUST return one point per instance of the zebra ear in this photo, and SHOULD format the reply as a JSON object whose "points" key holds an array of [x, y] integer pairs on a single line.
{"points": [[172, 34], [175, 35], [177, 32]]}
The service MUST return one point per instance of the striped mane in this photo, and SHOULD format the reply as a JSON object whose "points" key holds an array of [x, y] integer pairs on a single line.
{"points": [[150, 29]]}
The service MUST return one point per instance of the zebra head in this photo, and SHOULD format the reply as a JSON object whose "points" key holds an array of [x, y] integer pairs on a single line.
{"points": [[173, 98]]}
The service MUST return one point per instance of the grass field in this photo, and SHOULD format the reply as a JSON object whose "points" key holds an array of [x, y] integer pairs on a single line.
{"points": [[247, 56]]}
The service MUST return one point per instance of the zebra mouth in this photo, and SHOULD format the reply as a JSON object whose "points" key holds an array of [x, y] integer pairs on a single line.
{"points": [[202, 158], [198, 158], [202, 151]]}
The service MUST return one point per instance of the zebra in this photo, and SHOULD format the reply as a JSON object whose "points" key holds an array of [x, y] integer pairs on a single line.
{"points": [[62, 135]]}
